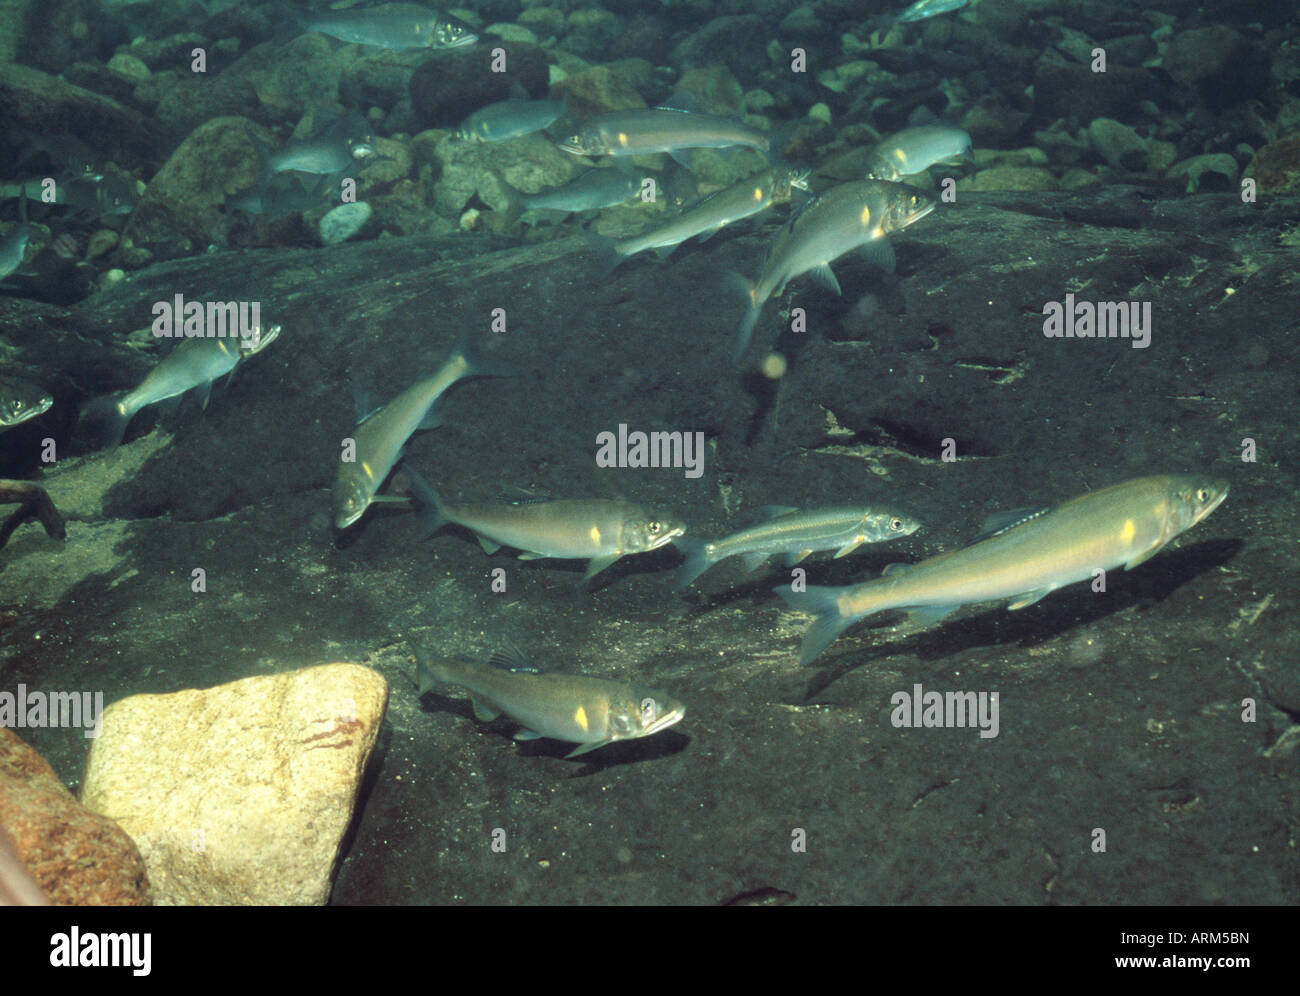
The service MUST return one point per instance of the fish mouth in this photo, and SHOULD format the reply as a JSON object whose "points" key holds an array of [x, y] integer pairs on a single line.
{"points": [[920, 212], [1223, 493], [665, 538], [573, 147], [464, 40], [666, 720]]}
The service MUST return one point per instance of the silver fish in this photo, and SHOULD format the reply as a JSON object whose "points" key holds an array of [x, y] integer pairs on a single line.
{"points": [[849, 216], [1022, 556], [595, 189], [924, 9], [659, 129], [914, 150], [394, 26], [191, 363], [381, 436], [713, 213], [796, 534], [20, 402], [597, 530], [510, 119], [590, 712]]}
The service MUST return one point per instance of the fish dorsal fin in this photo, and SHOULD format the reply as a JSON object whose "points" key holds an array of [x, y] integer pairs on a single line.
{"points": [[509, 657], [894, 569], [1003, 522], [682, 100], [879, 252]]}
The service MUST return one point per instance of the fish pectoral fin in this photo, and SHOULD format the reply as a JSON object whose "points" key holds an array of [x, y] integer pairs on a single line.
{"points": [[431, 420], [528, 735], [895, 569], [825, 276], [527, 555], [793, 558], [483, 713], [879, 252], [1144, 556], [488, 546], [1029, 598], [848, 548], [205, 394], [928, 615], [776, 511], [583, 748], [753, 561], [598, 564]]}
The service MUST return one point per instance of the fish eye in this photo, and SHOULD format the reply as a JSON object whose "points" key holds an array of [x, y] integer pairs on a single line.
{"points": [[895, 523], [1202, 494], [654, 528], [648, 711]]}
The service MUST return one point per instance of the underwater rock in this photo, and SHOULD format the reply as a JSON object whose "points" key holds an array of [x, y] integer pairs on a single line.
{"points": [[1123, 148], [343, 222], [740, 42], [186, 196], [240, 793], [1009, 178], [1074, 92], [1277, 166], [33, 99], [614, 87], [1226, 65], [1191, 173], [454, 82], [77, 857], [590, 32]]}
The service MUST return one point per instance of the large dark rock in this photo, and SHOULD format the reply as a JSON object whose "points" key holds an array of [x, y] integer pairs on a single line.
{"points": [[454, 84]]}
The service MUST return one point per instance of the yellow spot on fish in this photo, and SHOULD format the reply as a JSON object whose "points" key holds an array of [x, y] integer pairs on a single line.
{"points": [[900, 155], [365, 469], [1128, 531], [580, 717], [866, 217], [595, 535], [622, 138], [758, 193]]}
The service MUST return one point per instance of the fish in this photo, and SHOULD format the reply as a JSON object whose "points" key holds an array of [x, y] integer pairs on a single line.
{"points": [[509, 119], [381, 436], [20, 402], [283, 194], [575, 708], [1021, 556], [848, 216], [13, 247], [393, 26], [597, 530], [192, 363], [346, 144], [796, 534], [595, 189], [660, 129], [914, 150], [925, 9], [98, 195], [715, 212]]}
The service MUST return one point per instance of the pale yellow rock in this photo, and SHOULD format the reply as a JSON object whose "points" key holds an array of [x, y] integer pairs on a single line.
{"points": [[239, 794]]}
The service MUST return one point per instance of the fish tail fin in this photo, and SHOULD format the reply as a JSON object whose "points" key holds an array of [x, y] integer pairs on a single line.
{"points": [[108, 418], [516, 204], [830, 621], [752, 310], [432, 513], [477, 361], [697, 561]]}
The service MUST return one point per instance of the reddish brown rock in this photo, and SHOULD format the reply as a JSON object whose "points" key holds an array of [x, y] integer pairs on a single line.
{"points": [[78, 858], [1276, 168]]}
